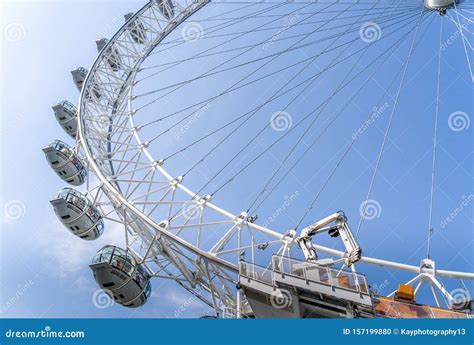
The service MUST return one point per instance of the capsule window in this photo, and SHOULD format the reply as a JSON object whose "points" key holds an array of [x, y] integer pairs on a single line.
{"points": [[67, 216], [109, 284]]}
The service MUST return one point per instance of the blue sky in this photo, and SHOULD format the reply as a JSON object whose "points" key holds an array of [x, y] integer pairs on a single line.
{"points": [[44, 269]]}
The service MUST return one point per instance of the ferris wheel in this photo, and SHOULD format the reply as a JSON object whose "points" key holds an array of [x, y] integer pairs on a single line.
{"points": [[170, 137]]}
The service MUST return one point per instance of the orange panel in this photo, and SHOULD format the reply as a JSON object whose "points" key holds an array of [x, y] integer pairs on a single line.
{"points": [[406, 311], [440, 313], [406, 292], [419, 312], [385, 308]]}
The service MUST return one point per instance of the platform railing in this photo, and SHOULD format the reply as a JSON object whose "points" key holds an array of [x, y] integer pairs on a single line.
{"points": [[256, 272], [343, 279], [308, 271], [314, 272]]}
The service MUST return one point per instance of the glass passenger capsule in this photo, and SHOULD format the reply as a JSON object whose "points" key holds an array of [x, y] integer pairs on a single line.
{"points": [[77, 214], [136, 29], [166, 8], [65, 162], [113, 56], [79, 76], [117, 271], [66, 114]]}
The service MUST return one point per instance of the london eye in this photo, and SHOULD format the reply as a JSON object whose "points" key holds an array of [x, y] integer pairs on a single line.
{"points": [[229, 141]]}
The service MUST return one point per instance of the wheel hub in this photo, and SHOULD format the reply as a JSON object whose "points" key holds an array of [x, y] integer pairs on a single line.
{"points": [[439, 5]]}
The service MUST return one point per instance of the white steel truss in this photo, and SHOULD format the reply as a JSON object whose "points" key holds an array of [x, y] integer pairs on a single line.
{"points": [[174, 232]]}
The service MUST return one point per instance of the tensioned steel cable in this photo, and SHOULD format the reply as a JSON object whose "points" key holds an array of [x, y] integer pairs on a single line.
{"points": [[204, 102], [217, 28], [435, 142], [297, 97], [269, 147], [460, 28], [275, 15], [266, 126], [212, 69], [400, 14], [297, 24], [274, 98], [273, 40], [211, 29], [389, 126], [292, 149], [272, 145], [234, 89], [202, 159], [228, 89], [227, 42], [349, 148], [211, 72]]}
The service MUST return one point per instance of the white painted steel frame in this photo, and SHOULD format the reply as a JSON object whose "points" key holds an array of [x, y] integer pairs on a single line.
{"points": [[115, 90]]}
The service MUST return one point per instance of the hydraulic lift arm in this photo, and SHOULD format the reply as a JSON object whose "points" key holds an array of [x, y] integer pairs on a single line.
{"points": [[339, 227]]}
